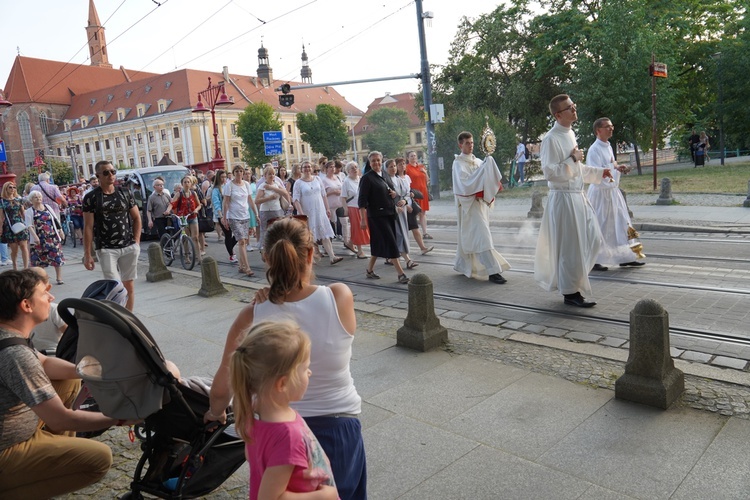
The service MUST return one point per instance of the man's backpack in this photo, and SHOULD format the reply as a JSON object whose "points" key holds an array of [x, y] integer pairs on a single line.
{"points": [[527, 153]]}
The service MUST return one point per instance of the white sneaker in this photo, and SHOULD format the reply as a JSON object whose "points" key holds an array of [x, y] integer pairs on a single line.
{"points": [[5, 263], [232, 259]]}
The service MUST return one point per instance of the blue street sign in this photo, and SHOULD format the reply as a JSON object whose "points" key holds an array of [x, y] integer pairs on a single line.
{"points": [[273, 148], [3, 156], [272, 136]]}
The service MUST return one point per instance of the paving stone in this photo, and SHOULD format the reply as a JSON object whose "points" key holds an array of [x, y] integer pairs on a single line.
{"points": [[453, 314], [439, 312], [737, 364], [675, 353], [554, 332], [534, 328], [583, 337], [473, 317], [489, 320], [390, 303], [514, 325], [612, 342], [700, 357]]}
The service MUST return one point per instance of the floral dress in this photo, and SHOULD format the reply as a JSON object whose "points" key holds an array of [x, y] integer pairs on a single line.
{"points": [[13, 213], [48, 252]]}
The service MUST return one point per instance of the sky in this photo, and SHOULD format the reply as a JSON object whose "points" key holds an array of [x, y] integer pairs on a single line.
{"points": [[344, 39]]}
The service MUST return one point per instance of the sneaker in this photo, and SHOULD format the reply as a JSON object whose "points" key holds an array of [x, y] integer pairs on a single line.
{"points": [[5, 263], [233, 259]]}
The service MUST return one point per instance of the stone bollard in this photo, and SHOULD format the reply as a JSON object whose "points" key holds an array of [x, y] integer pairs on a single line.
{"points": [[625, 197], [746, 203], [665, 195], [537, 210], [210, 282], [422, 330], [650, 376], [157, 271]]}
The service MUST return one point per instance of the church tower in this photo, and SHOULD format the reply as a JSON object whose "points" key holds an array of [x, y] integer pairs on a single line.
{"points": [[265, 73], [97, 42], [306, 71]]}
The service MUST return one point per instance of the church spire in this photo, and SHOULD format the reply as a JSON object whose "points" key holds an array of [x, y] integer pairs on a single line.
{"points": [[265, 73], [97, 42], [306, 71]]}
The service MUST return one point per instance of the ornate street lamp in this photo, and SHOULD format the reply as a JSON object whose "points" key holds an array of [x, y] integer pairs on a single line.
{"points": [[213, 96]]}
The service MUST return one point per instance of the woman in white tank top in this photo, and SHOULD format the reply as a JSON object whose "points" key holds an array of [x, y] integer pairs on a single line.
{"points": [[331, 405]]}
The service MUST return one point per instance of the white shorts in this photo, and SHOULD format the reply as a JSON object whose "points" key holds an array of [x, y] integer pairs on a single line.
{"points": [[119, 263]]}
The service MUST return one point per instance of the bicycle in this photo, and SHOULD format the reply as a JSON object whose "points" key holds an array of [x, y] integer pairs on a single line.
{"points": [[69, 231], [178, 241]]}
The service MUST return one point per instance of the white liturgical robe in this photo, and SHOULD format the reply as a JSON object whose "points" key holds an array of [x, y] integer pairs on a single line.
{"points": [[610, 208], [569, 236], [475, 184]]}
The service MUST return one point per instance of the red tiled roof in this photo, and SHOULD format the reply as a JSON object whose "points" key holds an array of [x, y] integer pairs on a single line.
{"points": [[181, 88], [54, 82], [401, 101]]}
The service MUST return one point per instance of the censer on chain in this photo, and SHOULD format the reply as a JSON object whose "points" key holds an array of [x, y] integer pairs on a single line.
{"points": [[634, 243]]}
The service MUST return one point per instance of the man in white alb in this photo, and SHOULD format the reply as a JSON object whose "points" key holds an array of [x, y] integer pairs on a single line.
{"points": [[569, 236], [608, 202], [475, 184]]}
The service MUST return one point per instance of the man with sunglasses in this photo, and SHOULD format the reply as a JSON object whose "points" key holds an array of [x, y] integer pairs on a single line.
{"points": [[111, 220], [569, 236]]}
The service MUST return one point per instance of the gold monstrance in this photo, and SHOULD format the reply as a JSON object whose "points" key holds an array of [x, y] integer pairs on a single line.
{"points": [[489, 143]]}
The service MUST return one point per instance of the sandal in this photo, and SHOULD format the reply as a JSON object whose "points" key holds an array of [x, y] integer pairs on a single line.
{"points": [[428, 250], [350, 247], [361, 256], [426, 236], [249, 272], [372, 275], [60, 282], [411, 264], [388, 262], [336, 260], [403, 279]]}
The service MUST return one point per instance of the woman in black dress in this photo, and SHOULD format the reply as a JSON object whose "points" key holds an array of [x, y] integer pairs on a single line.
{"points": [[377, 207]]}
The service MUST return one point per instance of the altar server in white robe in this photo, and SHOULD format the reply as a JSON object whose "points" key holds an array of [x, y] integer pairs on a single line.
{"points": [[569, 235], [475, 184], [608, 202]]}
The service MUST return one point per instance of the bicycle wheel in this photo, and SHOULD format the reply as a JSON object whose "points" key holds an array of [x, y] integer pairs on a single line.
{"points": [[167, 248], [187, 252], [72, 232]]}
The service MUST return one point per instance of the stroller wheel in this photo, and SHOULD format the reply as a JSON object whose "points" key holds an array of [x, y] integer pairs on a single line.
{"points": [[140, 432]]}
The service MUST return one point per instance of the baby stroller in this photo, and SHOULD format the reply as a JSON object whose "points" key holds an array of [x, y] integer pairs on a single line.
{"points": [[127, 375]]}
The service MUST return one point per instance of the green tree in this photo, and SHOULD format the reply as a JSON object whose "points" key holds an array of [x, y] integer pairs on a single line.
{"points": [[61, 173], [252, 122], [325, 130], [388, 131]]}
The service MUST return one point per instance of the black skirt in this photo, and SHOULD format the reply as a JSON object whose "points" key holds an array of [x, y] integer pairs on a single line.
{"points": [[383, 236]]}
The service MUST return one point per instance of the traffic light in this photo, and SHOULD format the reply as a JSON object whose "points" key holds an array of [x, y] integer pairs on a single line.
{"points": [[286, 99]]}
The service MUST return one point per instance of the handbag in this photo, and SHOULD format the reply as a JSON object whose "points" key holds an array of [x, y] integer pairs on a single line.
{"points": [[16, 228], [284, 203]]}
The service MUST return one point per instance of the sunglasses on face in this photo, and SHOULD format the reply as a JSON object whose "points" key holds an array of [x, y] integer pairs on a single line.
{"points": [[108, 172]]}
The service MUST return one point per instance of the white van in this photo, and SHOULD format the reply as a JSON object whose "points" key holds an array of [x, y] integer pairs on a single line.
{"points": [[140, 181]]}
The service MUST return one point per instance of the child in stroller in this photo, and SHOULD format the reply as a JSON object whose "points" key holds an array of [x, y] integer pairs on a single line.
{"points": [[128, 375]]}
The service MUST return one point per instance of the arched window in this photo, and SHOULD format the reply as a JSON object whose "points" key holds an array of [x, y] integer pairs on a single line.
{"points": [[43, 123], [27, 143]]}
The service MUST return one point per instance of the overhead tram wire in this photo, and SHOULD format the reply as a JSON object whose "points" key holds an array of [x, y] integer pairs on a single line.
{"points": [[108, 43], [77, 52]]}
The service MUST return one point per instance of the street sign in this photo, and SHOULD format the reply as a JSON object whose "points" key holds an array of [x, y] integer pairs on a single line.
{"points": [[3, 156], [273, 148], [272, 136], [659, 70]]}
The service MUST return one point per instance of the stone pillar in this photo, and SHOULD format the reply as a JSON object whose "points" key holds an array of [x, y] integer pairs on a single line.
{"points": [[157, 271], [537, 210], [746, 203], [665, 195], [650, 376], [625, 197], [422, 330], [210, 281]]}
